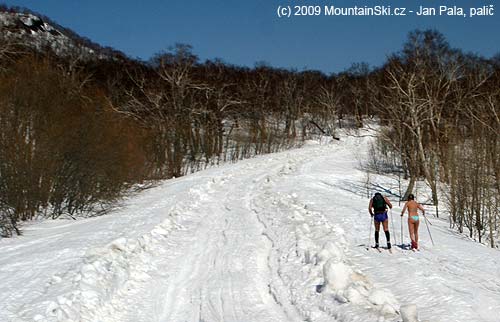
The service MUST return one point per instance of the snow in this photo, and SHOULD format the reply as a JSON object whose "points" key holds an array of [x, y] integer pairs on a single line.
{"points": [[40, 34], [409, 313], [28, 19], [281, 237]]}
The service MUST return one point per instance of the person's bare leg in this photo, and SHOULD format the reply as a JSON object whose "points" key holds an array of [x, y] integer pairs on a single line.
{"points": [[386, 225], [410, 229], [415, 233], [377, 229]]}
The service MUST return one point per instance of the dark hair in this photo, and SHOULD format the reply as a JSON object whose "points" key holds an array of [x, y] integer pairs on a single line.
{"points": [[411, 197]]}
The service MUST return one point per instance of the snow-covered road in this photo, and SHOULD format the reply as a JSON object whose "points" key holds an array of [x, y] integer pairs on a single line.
{"points": [[279, 237]]}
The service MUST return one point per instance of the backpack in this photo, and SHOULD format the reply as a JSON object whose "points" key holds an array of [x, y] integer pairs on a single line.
{"points": [[379, 204]]}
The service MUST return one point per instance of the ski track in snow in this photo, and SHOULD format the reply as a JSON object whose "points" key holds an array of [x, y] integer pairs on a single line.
{"points": [[280, 237]]}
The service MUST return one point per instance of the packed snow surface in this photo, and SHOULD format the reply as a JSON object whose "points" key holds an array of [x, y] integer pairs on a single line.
{"points": [[282, 237]]}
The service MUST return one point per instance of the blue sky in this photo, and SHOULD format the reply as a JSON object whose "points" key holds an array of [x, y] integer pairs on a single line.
{"points": [[243, 32]]}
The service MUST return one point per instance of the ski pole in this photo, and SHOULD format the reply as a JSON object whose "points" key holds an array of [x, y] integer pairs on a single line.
{"points": [[369, 235], [392, 225], [426, 220], [402, 233]]}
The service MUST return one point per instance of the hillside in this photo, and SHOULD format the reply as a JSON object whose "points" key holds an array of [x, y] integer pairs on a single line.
{"points": [[281, 237], [22, 26]]}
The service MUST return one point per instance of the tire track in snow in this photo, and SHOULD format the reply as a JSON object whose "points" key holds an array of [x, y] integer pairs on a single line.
{"points": [[223, 274]]}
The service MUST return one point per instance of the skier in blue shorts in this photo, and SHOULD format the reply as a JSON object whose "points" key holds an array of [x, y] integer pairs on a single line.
{"points": [[378, 210]]}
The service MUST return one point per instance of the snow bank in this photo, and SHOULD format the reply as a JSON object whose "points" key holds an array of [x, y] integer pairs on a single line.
{"points": [[346, 285], [385, 300], [337, 275], [105, 273], [108, 272], [409, 313], [329, 251], [310, 143]]}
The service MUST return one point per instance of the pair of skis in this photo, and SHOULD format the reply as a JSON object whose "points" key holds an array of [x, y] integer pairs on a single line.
{"points": [[408, 247], [380, 250], [404, 247]]}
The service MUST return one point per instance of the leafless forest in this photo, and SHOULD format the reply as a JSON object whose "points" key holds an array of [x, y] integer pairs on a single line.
{"points": [[75, 134]]}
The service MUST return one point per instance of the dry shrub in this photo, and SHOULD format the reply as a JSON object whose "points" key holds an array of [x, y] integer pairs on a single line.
{"points": [[62, 149]]}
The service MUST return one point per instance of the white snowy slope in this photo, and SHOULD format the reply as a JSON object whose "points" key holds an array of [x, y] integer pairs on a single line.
{"points": [[29, 29], [279, 237]]}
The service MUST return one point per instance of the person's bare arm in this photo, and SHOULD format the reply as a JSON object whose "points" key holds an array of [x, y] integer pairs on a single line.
{"points": [[388, 202], [421, 208], [404, 209], [370, 207]]}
